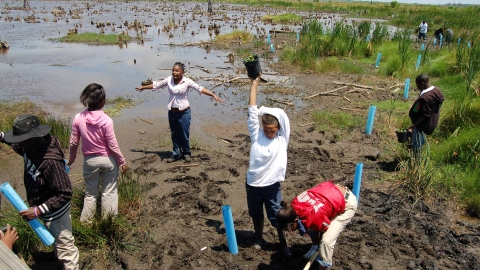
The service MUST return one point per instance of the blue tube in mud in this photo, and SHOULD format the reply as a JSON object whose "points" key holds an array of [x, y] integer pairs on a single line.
{"points": [[230, 229], [407, 87], [422, 47], [272, 48], [434, 41], [268, 38], [371, 117], [379, 56], [419, 59], [298, 36], [17, 202], [357, 180], [459, 39]]}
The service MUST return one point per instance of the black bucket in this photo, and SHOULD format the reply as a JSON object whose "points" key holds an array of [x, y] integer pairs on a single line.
{"points": [[402, 136], [253, 67]]}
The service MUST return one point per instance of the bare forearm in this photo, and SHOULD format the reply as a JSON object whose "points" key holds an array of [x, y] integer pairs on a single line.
{"points": [[208, 93], [143, 87], [253, 92]]}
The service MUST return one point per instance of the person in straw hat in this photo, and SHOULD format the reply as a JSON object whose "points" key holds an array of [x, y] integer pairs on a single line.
{"points": [[48, 186]]}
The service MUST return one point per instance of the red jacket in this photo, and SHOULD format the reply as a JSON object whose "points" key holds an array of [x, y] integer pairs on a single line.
{"points": [[317, 206]]}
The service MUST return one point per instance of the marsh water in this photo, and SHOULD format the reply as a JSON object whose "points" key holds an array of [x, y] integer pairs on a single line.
{"points": [[39, 67]]}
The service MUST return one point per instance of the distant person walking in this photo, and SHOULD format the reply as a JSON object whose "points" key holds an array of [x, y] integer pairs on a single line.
{"points": [[422, 31], [102, 156], [449, 36], [425, 111], [179, 113]]}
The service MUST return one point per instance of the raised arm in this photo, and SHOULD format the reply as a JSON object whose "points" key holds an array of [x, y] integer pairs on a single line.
{"points": [[208, 93], [143, 87], [253, 91]]}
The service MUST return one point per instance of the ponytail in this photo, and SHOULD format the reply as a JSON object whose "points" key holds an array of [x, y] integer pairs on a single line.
{"points": [[286, 214]]}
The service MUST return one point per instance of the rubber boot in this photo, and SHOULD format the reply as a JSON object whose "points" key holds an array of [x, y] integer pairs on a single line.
{"points": [[258, 227], [283, 243]]}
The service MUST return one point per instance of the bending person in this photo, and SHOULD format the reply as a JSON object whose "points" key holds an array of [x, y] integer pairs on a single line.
{"points": [[268, 163], [179, 114], [323, 212]]}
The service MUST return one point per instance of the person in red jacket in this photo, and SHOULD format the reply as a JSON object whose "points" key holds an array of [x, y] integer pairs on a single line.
{"points": [[323, 212]]}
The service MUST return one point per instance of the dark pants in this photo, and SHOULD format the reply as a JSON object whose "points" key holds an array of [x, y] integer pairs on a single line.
{"points": [[180, 129], [271, 196]]}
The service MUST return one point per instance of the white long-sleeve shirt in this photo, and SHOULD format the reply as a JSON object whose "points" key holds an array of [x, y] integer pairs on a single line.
{"points": [[268, 157]]}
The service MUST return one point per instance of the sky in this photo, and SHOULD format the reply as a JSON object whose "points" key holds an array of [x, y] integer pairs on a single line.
{"points": [[432, 2]]}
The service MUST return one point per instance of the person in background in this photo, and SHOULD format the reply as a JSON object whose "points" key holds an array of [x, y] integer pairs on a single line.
{"points": [[437, 33], [448, 35], [323, 212], [422, 31], [425, 111], [268, 163], [48, 187], [179, 112], [102, 156]]}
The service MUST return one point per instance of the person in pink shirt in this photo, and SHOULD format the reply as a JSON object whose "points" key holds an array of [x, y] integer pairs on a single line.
{"points": [[179, 115], [102, 156]]}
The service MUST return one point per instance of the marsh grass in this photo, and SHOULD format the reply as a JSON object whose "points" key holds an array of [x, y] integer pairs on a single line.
{"points": [[115, 107], [325, 120], [94, 38], [236, 36], [286, 18], [60, 126]]}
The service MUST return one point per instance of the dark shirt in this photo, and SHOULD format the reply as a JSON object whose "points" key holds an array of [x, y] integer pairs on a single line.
{"points": [[46, 180], [427, 105]]}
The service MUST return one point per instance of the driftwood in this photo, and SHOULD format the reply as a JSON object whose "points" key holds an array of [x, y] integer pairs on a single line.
{"points": [[347, 99], [396, 85], [356, 90], [396, 90], [327, 92], [227, 141], [354, 84], [146, 121], [280, 101], [307, 124]]}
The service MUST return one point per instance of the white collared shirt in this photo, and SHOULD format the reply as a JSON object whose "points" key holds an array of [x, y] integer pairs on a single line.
{"points": [[427, 90], [178, 92]]}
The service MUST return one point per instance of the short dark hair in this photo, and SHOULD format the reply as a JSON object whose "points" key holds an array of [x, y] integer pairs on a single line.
{"points": [[92, 96], [268, 119], [180, 65], [286, 214], [422, 78]]}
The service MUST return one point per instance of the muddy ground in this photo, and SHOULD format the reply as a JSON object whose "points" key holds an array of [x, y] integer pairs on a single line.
{"points": [[182, 211], [181, 214]]}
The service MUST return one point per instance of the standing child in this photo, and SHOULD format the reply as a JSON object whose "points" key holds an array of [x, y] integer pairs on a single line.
{"points": [[46, 181], [179, 114], [268, 163], [102, 156], [422, 31]]}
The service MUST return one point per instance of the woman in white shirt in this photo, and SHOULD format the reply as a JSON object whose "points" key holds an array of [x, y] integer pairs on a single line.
{"points": [[268, 163], [179, 114]]}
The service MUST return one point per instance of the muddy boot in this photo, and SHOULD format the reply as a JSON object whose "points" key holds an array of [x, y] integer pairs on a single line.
{"points": [[258, 227], [283, 243]]}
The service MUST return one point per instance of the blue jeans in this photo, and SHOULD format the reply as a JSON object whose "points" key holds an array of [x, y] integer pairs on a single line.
{"points": [[271, 196], [180, 129], [418, 138]]}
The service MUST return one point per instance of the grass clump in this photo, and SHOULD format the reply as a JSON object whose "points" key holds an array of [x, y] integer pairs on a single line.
{"points": [[94, 38], [286, 18], [236, 36], [114, 107], [325, 120]]}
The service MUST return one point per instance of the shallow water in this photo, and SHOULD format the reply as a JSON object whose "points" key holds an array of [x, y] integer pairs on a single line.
{"points": [[54, 73]]}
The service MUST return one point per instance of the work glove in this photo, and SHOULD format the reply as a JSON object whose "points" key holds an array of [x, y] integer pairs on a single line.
{"points": [[310, 253]]}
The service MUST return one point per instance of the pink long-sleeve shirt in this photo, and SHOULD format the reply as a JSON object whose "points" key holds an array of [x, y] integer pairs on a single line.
{"points": [[95, 128]]}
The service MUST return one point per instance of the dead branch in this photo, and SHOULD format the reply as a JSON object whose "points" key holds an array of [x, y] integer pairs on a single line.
{"points": [[146, 121], [307, 124], [280, 101], [223, 94], [327, 92], [354, 84], [396, 90], [346, 98], [396, 85], [356, 90], [185, 165]]}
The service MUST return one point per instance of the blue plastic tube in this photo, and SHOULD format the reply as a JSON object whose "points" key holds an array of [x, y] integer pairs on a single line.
{"points": [[441, 40], [268, 38], [368, 38], [17, 202], [357, 180], [434, 41], [468, 45], [419, 59], [272, 48], [230, 229], [407, 87], [379, 56], [371, 117], [422, 47], [298, 36], [459, 39]]}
